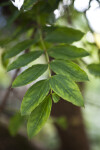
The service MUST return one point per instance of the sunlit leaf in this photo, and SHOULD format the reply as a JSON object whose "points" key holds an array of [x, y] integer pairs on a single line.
{"points": [[66, 52], [24, 59], [69, 69], [34, 96], [30, 75], [67, 89]]}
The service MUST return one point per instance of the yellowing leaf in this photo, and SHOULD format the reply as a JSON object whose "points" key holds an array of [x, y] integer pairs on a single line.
{"points": [[39, 117]]}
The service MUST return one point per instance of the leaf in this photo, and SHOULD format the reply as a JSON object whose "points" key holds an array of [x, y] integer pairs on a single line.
{"points": [[55, 98], [12, 18], [30, 75], [62, 122], [24, 59], [19, 47], [94, 69], [20, 30], [15, 122], [4, 61], [34, 96], [67, 89], [66, 52], [4, 41], [68, 69], [63, 35], [39, 117], [28, 4]]}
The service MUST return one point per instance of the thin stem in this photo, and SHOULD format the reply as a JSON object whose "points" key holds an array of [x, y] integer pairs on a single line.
{"points": [[45, 50], [44, 47], [43, 44]]}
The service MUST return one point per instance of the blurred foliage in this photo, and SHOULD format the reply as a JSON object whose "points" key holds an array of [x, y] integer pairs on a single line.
{"points": [[15, 123], [35, 29]]}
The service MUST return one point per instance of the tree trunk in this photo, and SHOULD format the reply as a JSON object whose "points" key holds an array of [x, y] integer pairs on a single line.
{"points": [[74, 137]]}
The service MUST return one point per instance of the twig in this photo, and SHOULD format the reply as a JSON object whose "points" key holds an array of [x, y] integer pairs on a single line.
{"points": [[8, 91]]}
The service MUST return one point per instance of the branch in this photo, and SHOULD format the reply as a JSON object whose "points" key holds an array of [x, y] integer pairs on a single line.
{"points": [[8, 92]]}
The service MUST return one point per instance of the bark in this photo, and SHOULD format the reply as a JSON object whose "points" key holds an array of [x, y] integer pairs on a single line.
{"points": [[74, 137]]}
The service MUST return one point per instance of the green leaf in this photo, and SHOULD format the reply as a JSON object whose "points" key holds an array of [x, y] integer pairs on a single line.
{"points": [[12, 18], [67, 89], [4, 61], [30, 75], [63, 35], [66, 52], [19, 47], [24, 59], [15, 122], [55, 98], [38, 117], [4, 41], [62, 122], [34, 96], [94, 69], [68, 69], [28, 4]]}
